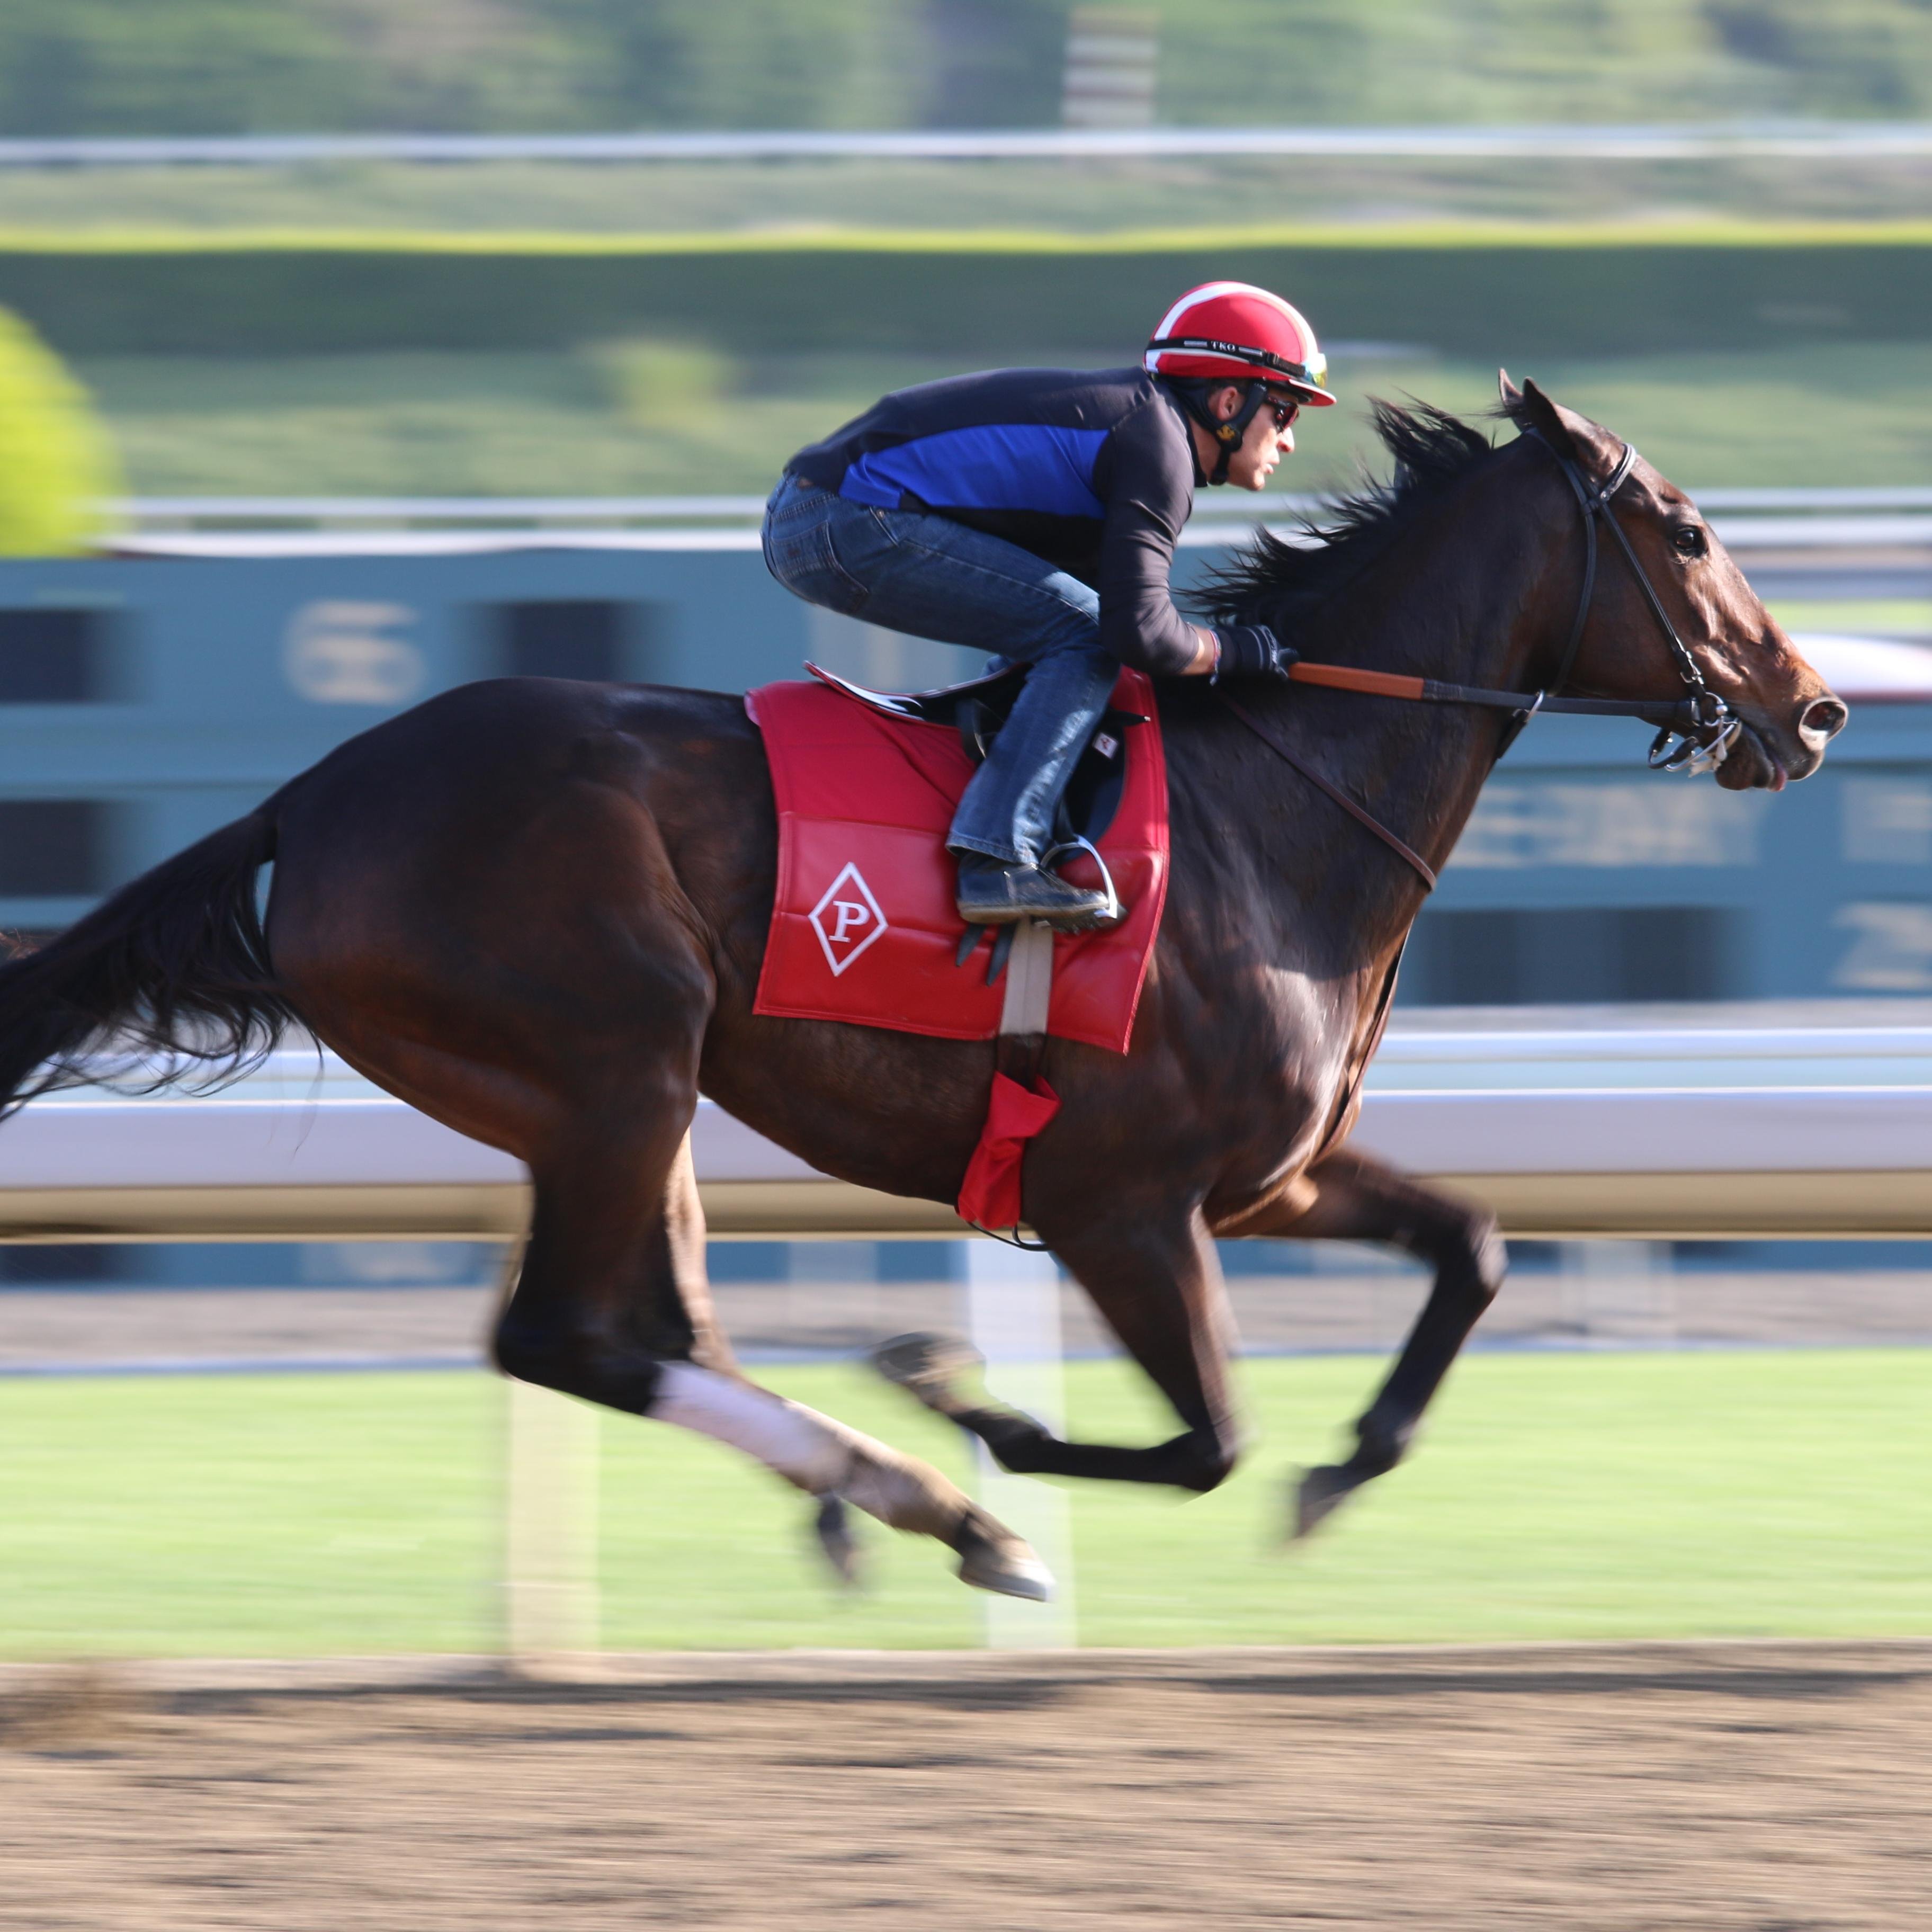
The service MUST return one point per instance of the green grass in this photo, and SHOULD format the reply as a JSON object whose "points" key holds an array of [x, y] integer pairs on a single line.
{"points": [[1090, 197], [1770, 1493], [480, 423], [535, 422], [1876, 616], [1705, 419], [1626, 1495], [1858, 414], [250, 1515]]}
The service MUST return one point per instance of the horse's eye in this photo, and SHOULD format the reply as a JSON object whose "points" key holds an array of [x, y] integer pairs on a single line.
{"points": [[1689, 539]]}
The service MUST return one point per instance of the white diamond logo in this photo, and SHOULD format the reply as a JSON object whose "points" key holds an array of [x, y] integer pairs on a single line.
{"points": [[847, 919]]}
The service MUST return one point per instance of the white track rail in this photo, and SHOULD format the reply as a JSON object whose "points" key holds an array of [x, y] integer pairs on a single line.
{"points": [[1750, 521], [540, 512], [1735, 1131]]}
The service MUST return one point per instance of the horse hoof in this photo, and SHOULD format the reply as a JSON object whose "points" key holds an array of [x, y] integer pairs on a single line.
{"points": [[1016, 1572], [926, 1366], [1318, 1494], [832, 1526], [993, 1559]]}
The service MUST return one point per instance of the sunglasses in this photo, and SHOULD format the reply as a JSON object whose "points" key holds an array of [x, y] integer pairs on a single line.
{"points": [[1283, 411]]}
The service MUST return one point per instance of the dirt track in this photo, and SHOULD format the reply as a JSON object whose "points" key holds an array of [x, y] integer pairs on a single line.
{"points": [[1775, 1786]]}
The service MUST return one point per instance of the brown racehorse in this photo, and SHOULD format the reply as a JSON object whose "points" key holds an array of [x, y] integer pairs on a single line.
{"points": [[536, 910]]}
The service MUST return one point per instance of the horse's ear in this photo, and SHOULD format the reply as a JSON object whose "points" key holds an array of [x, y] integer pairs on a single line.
{"points": [[1534, 410], [1506, 390]]}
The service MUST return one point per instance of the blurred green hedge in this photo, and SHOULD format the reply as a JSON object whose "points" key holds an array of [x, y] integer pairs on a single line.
{"points": [[56, 463], [1488, 293]]}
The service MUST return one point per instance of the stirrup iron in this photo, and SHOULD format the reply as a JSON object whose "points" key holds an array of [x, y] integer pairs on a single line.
{"points": [[1110, 914]]}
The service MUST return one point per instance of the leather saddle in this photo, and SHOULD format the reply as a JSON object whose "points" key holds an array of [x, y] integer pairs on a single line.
{"points": [[979, 708]]}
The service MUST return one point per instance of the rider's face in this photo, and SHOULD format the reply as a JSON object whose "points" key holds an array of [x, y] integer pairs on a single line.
{"points": [[1268, 439]]}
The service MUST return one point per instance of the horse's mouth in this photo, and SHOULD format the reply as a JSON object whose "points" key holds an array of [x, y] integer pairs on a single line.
{"points": [[1752, 766]]}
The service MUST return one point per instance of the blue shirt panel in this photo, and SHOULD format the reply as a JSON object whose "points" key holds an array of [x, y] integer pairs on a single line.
{"points": [[990, 466]]}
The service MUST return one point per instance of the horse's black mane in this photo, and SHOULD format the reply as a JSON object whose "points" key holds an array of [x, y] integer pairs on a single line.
{"points": [[1432, 450]]}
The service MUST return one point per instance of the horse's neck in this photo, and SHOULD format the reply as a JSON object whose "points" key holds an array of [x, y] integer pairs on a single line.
{"points": [[1466, 597]]}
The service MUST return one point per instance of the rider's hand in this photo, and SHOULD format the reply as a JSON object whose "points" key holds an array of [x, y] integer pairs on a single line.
{"points": [[1253, 650]]}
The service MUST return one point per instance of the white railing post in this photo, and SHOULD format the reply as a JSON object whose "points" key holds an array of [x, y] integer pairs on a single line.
{"points": [[550, 1531], [1013, 1311]]}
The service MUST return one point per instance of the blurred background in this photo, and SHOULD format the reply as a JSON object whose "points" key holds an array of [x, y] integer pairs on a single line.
{"points": [[353, 351]]}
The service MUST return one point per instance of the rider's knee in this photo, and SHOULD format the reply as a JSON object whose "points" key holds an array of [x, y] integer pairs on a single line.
{"points": [[1065, 627]]}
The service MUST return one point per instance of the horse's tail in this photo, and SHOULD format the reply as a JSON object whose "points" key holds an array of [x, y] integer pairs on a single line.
{"points": [[171, 973]]}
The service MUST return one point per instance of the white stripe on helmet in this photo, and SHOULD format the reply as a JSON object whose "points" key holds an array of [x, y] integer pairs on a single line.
{"points": [[1170, 322]]}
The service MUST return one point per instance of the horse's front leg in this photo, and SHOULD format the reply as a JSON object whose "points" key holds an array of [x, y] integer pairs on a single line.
{"points": [[1158, 1284], [1357, 1198]]}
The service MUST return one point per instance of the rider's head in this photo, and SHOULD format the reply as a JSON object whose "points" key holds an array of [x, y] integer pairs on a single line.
{"points": [[1242, 363]]}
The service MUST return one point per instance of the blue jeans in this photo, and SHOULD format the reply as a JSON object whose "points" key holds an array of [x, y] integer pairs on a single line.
{"points": [[935, 578]]}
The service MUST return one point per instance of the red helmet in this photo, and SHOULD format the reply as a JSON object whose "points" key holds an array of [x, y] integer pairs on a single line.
{"points": [[1237, 332]]}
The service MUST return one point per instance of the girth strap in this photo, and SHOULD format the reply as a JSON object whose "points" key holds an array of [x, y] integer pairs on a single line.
{"points": [[1029, 998], [1021, 1104]]}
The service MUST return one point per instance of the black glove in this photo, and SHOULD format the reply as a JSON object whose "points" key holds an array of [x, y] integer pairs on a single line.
{"points": [[1253, 650]]}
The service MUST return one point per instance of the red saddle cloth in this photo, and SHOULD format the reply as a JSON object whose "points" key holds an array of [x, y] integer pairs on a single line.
{"points": [[863, 928]]}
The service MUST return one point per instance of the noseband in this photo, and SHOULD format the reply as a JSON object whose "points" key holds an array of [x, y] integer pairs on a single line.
{"points": [[1712, 725]]}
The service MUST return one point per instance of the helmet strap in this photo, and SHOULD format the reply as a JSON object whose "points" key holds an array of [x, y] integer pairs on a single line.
{"points": [[1194, 391]]}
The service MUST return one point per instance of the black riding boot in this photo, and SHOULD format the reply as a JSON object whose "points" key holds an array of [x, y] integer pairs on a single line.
{"points": [[992, 892]]}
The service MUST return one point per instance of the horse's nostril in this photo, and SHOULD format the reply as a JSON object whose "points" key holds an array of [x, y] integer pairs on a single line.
{"points": [[1824, 718]]}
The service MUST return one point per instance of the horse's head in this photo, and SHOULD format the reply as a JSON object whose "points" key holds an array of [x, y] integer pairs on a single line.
{"points": [[1789, 715]]}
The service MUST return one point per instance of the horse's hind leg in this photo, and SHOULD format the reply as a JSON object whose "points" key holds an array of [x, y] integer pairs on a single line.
{"points": [[1357, 1198], [1159, 1286], [610, 1306]]}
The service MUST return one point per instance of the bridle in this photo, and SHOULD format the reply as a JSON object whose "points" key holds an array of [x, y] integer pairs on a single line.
{"points": [[1713, 725], [1695, 733]]}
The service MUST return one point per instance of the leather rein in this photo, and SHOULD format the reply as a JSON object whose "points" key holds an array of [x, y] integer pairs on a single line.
{"points": [[1695, 733]]}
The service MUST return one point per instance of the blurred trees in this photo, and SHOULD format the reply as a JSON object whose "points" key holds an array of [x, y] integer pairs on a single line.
{"points": [[117, 66], [735, 63], [109, 67], [1552, 61], [213, 67]]}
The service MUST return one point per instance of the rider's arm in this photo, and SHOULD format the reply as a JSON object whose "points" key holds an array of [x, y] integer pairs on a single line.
{"points": [[1148, 487]]}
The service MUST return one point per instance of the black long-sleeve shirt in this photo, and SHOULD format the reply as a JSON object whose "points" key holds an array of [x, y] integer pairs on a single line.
{"points": [[1093, 470]]}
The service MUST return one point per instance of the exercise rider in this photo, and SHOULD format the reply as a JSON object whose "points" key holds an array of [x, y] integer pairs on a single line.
{"points": [[1033, 513]]}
